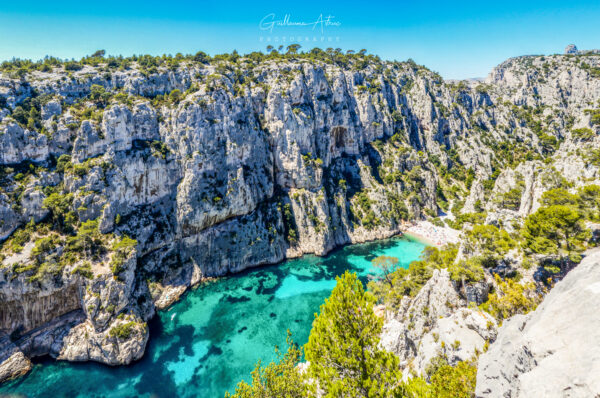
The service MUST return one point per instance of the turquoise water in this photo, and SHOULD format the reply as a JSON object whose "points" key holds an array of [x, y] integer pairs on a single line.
{"points": [[211, 339]]}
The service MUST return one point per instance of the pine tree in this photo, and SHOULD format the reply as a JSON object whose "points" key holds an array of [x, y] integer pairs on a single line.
{"points": [[343, 350], [277, 379], [555, 229]]}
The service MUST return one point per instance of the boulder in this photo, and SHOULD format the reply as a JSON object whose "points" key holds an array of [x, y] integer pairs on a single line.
{"points": [[436, 323], [13, 363], [16, 365]]}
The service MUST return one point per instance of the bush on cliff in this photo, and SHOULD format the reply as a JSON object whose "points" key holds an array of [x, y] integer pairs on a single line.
{"points": [[408, 281], [445, 381], [489, 242], [556, 229], [60, 207], [121, 250], [122, 331], [511, 298]]}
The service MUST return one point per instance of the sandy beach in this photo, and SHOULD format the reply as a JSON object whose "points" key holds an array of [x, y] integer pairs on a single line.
{"points": [[432, 234]]}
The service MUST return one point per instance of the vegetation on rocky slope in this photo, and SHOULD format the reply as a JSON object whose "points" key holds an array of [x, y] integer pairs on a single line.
{"points": [[344, 358], [269, 155]]}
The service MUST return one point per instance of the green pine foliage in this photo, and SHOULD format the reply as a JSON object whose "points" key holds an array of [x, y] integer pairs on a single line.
{"points": [[454, 381], [408, 281], [558, 227], [122, 249], [445, 381], [277, 379], [122, 331], [511, 298], [60, 207], [490, 242], [343, 347]]}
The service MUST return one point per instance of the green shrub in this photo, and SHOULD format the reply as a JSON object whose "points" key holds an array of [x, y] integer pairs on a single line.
{"points": [[60, 206], [45, 245], [122, 331], [511, 200], [160, 149], [489, 242], [289, 223], [465, 271], [175, 96], [343, 346], [461, 219], [511, 298], [73, 66], [121, 250], [84, 270], [407, 282], [583, 134], [63, 163]]}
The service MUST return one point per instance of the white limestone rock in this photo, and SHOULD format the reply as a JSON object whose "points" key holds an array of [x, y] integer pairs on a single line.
{"points": [[459, 337], [84, 343], [15, 365], [551, 352], [436, 323]]}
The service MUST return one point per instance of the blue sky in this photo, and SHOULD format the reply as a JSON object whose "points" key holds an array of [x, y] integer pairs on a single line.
{"points": [[457, 39]]}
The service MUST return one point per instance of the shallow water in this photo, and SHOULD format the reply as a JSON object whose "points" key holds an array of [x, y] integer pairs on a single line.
{"points": [[211, 339]]}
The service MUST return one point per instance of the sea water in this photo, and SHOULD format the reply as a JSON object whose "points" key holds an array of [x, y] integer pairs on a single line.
{"points": [[207, 342]]}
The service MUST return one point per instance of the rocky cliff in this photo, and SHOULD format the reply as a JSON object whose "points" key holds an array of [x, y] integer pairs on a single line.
{"points": [[550, 352], [436, 323], [122, 182]]}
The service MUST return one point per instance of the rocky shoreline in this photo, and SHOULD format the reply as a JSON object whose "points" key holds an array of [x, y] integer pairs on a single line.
{"points": [[125, 182], [69, 336]]}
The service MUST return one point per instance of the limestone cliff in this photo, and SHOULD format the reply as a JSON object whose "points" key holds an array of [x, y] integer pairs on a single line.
{"points": [[123, 184], [436, 323], [551, 352]]}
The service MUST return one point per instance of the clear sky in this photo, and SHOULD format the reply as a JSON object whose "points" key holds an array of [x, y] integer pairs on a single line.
{"points": [[457, 39]]}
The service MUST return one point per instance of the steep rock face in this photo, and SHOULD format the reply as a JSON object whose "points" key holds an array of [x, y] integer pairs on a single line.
{"points": [[435, 323], [75, 318], [30, 310], [219, 166], [550, 352], [13, 363], [84, 343], [20, 144]]}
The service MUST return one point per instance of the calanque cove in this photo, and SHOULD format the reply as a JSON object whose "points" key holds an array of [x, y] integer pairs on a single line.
{"points": [[124, 182]]}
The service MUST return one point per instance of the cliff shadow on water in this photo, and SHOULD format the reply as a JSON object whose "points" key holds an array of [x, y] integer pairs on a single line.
{"points": [[209, 340]]}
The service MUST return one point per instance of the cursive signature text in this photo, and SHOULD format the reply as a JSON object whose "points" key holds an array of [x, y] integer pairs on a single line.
{"points": [[270, 21]]}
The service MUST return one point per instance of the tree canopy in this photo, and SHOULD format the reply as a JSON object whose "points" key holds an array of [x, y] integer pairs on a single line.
{"points": [[277, 379], [555, 229], [343, 347]]}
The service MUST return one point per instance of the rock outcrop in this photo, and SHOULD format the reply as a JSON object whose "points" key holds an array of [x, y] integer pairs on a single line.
{"points": [[553, 351], [13, 363], [436, 323], [571, 49], [207, 167]]}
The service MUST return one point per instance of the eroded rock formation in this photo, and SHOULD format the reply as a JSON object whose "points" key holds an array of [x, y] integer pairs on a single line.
{"points": [[213, 167]]}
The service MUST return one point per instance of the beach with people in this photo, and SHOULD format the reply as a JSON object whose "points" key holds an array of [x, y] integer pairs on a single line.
{"points": [[432, 234]]}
